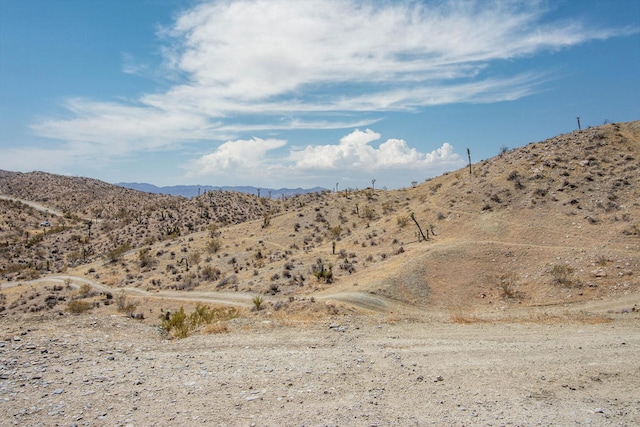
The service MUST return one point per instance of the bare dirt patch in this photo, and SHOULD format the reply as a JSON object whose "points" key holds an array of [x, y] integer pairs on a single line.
{"points": [[348, 370]]}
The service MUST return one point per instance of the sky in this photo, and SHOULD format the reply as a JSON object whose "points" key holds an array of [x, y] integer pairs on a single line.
{"points": [[329, 93]]}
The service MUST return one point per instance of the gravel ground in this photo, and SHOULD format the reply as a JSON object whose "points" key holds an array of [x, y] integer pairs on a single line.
{"points": [[111, 370]]}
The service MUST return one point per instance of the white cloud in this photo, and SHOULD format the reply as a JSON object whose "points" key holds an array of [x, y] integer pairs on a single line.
{"points": [[273, 65], [233, 155], [355, 153], [353, 160]]}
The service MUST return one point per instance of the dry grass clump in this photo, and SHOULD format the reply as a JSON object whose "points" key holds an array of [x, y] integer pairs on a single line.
{"points": [[79, 306]]}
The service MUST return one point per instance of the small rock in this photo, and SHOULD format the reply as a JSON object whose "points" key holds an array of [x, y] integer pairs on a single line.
{"points": [[438, 379], [250, 398], [58, 391]]}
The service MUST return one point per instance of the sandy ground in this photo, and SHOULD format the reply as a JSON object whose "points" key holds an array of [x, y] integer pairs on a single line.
{"points": [[362, 371]]}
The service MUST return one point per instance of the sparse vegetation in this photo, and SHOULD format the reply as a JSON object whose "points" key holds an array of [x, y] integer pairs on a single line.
{"points": [[508, 285], [124, 304], [257, 302], [179, 325], [562, 274], [78, 306]]}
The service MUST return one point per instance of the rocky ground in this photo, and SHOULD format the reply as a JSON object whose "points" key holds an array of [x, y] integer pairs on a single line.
{"points": [[350, 370]]}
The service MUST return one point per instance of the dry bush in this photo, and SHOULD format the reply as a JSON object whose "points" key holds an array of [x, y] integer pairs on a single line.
{"points": [[78, 306], [85, 289], [216, 328], [508, 286], [213, 246], [124, 305], [562, 274]]}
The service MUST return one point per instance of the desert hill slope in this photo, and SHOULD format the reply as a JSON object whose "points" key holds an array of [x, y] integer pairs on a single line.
{"points": [[554, 223]]}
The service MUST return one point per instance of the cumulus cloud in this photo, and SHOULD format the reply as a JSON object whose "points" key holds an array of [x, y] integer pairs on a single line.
{"points": [[233, 155], [353, 160], [356, 153]]}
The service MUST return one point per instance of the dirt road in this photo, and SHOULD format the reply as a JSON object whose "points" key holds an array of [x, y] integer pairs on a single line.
{"points": [[363, 371]]}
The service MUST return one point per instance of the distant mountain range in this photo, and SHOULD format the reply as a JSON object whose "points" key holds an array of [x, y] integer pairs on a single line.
{"points": [[194, 190]]}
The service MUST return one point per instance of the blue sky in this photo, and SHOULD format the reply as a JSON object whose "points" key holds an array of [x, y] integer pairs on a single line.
{"points": [[303, 93]]}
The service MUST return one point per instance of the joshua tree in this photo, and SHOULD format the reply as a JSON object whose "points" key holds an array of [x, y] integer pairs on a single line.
{"points": [[373, 183], [469, 155], [578, 118]]}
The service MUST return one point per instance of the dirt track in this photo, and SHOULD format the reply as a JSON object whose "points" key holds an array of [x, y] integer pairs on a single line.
{"points": [[111, 370]]}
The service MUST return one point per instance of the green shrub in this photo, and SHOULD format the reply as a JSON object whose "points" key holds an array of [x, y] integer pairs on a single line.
{"points": [[257, 301], [179, 325]]}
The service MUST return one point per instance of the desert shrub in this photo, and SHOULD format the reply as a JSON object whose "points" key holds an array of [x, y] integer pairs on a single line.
{"points": [[403, 221], [78, 306], [115, 254], [179, 325], [213, 245], [176, 324], [85, 289], [508, 285], [323, 272], [144, 258], [257, 302], [124, 305], [229, 280], [194, 258], [562, 274], [188, 283], [368, 212], [209, 273]]}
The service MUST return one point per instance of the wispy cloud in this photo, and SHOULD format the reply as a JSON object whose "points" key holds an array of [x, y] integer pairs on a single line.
{"points": [[271, 65]]}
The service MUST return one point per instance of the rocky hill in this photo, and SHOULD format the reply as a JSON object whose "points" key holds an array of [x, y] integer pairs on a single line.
{"points": [[553, 223], [50, 223]]}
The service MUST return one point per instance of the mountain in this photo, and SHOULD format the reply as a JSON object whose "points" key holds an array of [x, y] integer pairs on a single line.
{"points": [[196, 190]]}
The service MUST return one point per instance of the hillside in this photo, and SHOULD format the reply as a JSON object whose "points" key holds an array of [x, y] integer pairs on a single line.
{"points": [[89, 219], [552, 224]]}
